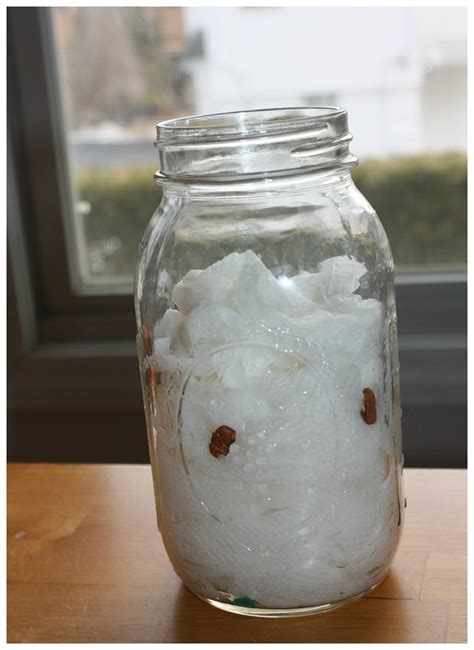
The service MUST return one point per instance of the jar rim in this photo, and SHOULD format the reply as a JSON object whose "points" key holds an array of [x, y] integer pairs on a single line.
{"points": [[269, 141], [247, 123]]}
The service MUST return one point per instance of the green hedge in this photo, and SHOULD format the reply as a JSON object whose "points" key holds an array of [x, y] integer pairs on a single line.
{"points": [[422, 202], [122, 202]]}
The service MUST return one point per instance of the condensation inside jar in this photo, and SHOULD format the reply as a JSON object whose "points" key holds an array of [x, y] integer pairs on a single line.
{"points": [[277, 484]]}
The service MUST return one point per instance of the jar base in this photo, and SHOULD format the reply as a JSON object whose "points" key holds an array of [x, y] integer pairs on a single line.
{"points": [[262, 612]]}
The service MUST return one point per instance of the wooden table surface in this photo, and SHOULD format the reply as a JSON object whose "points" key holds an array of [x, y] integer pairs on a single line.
{"points": [[86, 564]]}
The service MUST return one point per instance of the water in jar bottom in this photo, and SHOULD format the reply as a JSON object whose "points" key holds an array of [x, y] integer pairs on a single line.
{"points": [[261, 612]]}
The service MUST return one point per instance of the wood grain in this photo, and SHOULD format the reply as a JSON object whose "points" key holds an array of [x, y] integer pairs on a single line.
{"points": [[86, 564]]}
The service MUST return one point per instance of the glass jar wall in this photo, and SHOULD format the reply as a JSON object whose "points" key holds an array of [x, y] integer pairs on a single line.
{"points": [[268, 353]]}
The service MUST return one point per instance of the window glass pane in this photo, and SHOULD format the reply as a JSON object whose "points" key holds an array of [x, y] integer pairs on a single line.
{"points": [[400, 72]]}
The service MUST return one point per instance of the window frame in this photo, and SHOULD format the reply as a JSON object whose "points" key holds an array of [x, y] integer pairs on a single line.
{"points": [[38, 140], [84, 344]]}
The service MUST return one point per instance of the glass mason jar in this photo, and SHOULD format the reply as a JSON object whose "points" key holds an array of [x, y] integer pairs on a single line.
{"points": [[268, 350]]}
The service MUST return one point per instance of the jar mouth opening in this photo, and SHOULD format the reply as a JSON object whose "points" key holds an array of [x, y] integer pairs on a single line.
{"points": [[269, 141], [250, 123]]}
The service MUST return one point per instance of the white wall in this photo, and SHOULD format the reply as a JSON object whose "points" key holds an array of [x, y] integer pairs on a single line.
{"points": [[445, 109], [369, 58], [442, 49]]}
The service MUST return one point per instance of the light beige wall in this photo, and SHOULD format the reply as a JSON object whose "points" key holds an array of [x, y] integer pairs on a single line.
{"points": [[444, 112]]}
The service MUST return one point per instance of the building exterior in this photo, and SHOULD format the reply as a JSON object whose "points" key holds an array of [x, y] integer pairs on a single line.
{"points": [[401, 71]]}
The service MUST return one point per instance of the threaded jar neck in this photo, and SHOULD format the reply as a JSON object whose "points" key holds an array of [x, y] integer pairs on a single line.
{"points": [[245, 145]]}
